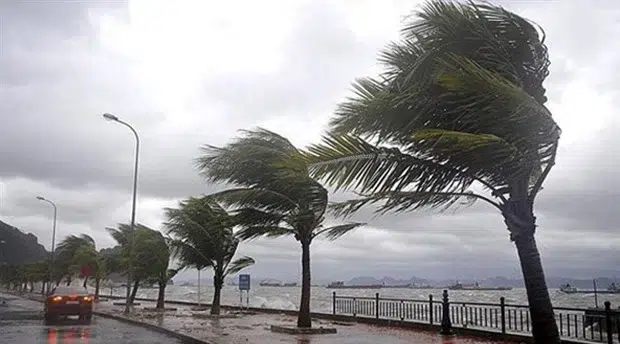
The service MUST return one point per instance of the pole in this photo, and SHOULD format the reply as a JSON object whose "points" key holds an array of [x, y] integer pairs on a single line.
{"points": [[133, 214], [595, 293], [110, 117], [198, 288], [52, 255], [51, 270]]}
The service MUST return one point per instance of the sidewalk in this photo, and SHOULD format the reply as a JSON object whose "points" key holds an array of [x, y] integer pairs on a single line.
{"points": [[255, 328]]}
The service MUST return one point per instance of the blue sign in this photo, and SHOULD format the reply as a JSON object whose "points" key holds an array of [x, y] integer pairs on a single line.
{"points": [[244, 282]]}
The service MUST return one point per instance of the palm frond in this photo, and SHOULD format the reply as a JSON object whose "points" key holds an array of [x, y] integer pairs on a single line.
{"points": [[249, 160], [335, 232], [351, 162], [266, 199], [401, 201], [239, 264], [461, 100], [250, 232]]}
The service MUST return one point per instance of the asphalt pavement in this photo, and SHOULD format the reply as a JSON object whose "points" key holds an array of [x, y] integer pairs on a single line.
{"points": [[21, 321]]}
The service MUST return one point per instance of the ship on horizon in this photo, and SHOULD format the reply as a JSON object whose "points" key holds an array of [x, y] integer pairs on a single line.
{"points": [[611, 289], [341, 285], [277, 284], [475, 286]]}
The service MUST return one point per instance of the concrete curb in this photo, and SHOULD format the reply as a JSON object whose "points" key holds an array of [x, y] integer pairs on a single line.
{"points": [[185, 338]]}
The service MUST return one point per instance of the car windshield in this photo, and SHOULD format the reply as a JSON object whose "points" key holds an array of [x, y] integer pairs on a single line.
{"points": [[68, 290]]}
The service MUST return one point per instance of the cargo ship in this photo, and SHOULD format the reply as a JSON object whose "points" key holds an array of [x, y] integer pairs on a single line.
{"points": [[611, 289], [341, 285], [475, 286]]}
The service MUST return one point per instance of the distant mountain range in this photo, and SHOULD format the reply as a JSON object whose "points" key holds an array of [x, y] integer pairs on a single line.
{"points": [[499, 281], [17, 247]]}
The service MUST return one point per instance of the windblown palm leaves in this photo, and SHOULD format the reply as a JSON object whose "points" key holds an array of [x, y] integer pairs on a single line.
{"points": [[202, 237], [70, 255], [146, 250], [460, 103], [272, 195]]}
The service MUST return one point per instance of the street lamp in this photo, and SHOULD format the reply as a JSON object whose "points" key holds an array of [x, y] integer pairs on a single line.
{"points": [[51, 269], [113, 118]]}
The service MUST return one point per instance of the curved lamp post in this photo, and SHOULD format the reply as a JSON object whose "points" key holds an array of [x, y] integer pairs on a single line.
{"points": [[51, 269], [113, 118]]}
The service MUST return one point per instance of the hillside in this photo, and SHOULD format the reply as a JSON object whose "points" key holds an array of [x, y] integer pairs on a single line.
{"points": [[19, 247]]}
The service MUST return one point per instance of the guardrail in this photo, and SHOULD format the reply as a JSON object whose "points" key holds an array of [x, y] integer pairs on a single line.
{"points": [[593, 325]]}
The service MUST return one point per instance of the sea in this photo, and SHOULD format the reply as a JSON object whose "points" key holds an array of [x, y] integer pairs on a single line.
{"points": [[321, 297]]}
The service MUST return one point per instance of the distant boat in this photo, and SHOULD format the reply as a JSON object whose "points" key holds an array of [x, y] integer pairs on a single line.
{"points": [[292, 284], [270, 284], [567, 288], [475, 286], [409, 285], [611, 289], [341, 285]]}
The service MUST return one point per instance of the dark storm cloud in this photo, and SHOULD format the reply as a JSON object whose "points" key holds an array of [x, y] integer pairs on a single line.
{"points": [[58, 84], [57, 78]]}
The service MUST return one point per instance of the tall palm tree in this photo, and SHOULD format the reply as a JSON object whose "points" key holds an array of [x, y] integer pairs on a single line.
{"points": [[202, 237], [274, 195], [460, 104]]}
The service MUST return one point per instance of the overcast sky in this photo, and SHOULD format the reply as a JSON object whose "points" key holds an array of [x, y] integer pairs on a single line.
{"points": [[187, 73]]}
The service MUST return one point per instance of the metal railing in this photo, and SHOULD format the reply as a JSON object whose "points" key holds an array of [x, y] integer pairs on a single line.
{"points": [[594, 325]]}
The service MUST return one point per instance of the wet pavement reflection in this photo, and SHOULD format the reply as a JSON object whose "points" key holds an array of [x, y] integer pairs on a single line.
{"points": [[21, 322]]}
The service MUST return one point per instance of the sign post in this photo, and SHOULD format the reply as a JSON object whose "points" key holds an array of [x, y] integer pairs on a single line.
{"points": [[244, 285]]}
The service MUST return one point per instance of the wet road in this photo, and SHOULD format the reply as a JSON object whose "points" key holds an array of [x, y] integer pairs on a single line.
{"points": [[21, 322]]}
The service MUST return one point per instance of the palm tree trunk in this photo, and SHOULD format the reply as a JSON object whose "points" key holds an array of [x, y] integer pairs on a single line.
{"points": [[132, 297], [43, 287], [97, 285], [544, 326], [303, 317], [521, 222], [161, 295], [218, 283]]}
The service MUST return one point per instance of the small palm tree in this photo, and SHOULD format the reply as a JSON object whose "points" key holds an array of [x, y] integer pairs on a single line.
{"points": [[274, 196], [202, 237], [137, 248], [90, 257], [460, 104], [68, 251]]}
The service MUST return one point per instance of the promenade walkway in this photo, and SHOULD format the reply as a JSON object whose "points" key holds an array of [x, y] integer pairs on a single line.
{"points": [[255, 328]]}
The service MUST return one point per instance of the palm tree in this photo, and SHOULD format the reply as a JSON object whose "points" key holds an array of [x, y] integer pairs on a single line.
{"points": [[274, 196], [144, 262], [68, 251], [89, 256], [158, 256], [460, 105], [202, 236]]}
